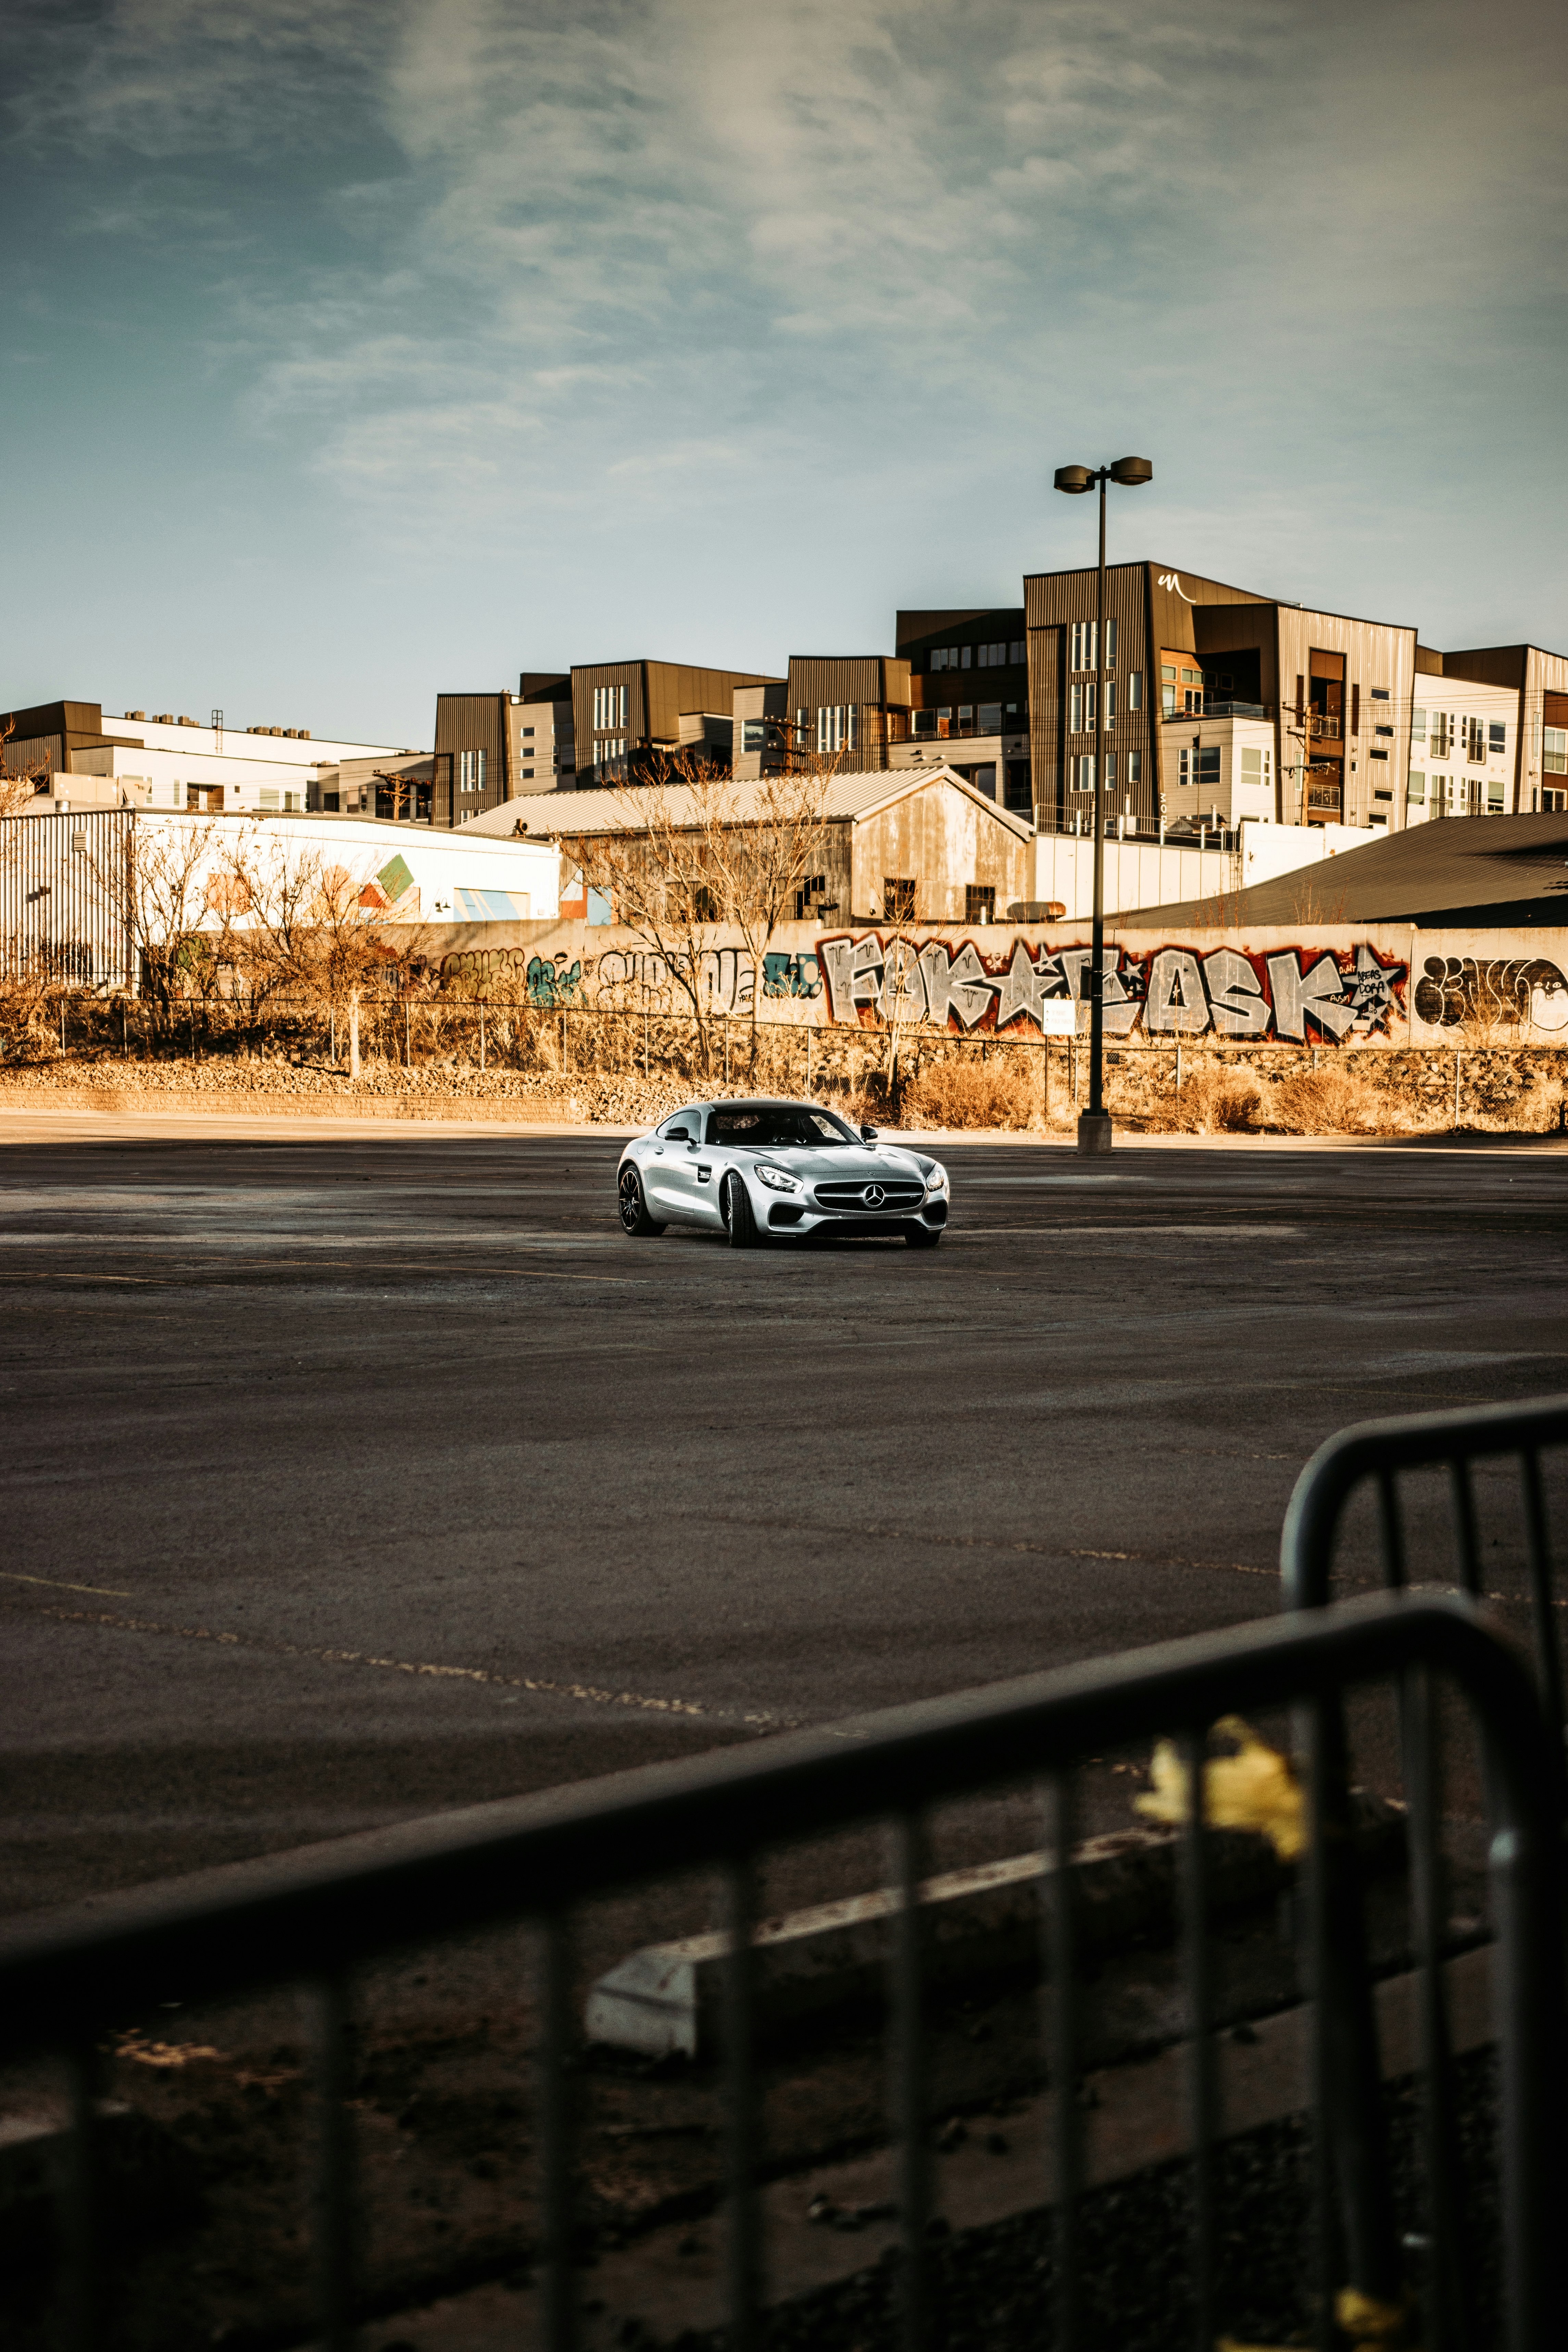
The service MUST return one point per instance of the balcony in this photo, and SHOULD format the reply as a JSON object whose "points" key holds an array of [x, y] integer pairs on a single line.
{"points": [[1329, 725]]}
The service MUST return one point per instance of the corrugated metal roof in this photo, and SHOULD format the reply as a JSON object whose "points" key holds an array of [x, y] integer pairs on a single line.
{"points": [[1445, 875], [850, 794]]}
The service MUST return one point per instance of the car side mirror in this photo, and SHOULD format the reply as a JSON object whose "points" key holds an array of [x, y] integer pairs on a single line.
{"points": [[868, 1135], [677, 1135]]}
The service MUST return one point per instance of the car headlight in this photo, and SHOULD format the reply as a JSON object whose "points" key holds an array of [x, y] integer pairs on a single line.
{"points": [[936, 1181], [777, 1179]]}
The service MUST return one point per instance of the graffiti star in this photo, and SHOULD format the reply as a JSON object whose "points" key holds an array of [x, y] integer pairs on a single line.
{"points": [[1370, 987], [1021, 989]]}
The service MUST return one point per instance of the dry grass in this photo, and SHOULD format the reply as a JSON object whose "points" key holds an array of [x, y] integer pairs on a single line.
{"points": [[1214, 1102], [1331, 1101], [962, 1092]]}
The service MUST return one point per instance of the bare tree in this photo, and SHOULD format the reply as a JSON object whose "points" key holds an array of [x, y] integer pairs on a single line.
{"points": [[18, 785], [764, 858], [664, 871], [162, 874]]}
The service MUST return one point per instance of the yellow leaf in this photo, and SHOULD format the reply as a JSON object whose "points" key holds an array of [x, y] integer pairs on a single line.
{"points": [[1253, 1789]]}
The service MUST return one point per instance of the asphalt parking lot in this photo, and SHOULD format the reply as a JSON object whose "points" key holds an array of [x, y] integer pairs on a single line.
{"points": [[348, 1478]]}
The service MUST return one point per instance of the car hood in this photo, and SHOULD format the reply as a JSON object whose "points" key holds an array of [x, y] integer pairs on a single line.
{"points": [[848, 1163]]}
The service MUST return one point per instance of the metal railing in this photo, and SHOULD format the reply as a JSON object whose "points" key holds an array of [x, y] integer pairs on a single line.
{"points": [[317, 1917], [1373, 1457], [1376, 1452]]}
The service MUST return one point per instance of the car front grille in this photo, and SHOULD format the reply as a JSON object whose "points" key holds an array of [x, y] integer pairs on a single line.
{"points": [[898, 1198]]}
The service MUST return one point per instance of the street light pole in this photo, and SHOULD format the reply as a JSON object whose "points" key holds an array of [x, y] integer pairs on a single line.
{"points": [[1094, 1124]]}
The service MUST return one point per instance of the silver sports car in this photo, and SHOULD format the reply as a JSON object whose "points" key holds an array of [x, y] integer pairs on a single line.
{"points": [[750, 1168]]}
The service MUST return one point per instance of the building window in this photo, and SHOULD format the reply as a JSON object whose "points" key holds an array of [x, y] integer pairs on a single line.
{"points": [[990, 717], [1418, 726], [1555, 801], [1110, 702], [1375, 754], [1442, 739], [897, 899], [1082, 647], [471, 772], [1020, 796], [946, 657], [609, 706], [1497, 737], [1134, 768], [1083, 699], [1417, 788], [1252, 764], [1201, 768], [1379, 694], [526, 773], [754, 734], [1554, 751], [838, 727], [979, 902], [1134, 689], [1018, 650], [528, 730], [1111, 771], [991, 656], [1383, 731], [608, 751], [1382, 795], [1080, 772], [1494, 796]]}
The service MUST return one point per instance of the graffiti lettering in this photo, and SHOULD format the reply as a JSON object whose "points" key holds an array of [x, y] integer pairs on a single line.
{"points": [[791, 975], [1177, 1002], [1173, 991], [1237, 1001], [726, 979], [553, 981], [1507, 991]]}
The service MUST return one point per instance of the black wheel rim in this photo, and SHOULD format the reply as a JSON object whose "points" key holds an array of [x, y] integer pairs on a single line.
{"points": [[631, 1203]]}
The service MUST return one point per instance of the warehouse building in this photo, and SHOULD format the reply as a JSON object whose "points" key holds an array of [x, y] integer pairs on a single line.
{"points": [[82, 892], [89, 759]]}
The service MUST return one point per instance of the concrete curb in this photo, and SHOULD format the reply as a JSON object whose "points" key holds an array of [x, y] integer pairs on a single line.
{"points": [[121, 1102], [666, 1999], [980, 1924]]}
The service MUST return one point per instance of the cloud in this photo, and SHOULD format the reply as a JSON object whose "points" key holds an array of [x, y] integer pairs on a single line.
{"points": [[506, 258]]}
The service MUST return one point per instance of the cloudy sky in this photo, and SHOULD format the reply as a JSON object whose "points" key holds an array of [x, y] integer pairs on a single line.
{"points": [[356, 348]]}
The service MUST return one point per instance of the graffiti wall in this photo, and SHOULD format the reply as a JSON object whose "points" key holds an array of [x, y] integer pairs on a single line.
{"points": [[1171, 991], [1330, 985]]}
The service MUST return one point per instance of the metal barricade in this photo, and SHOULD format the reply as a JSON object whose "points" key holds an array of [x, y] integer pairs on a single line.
{"points": [[1374, 1455], [1376, 1451], [316, 1917]]}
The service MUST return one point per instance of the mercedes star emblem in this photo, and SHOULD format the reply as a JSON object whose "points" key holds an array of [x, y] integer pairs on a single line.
{"points": [[875, 1196]]}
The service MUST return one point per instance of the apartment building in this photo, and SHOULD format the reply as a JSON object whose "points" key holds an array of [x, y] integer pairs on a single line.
{"points": [[623, 710], [1535, 757], [1223, 703], [954, 693]]}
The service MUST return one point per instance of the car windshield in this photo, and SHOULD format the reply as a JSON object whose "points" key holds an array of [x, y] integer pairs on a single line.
{"points": [[776, 1126]]}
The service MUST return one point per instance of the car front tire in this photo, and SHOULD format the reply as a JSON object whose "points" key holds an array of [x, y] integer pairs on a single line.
{"points": [[923, 1236], [636, 1222], [739, 1223]]}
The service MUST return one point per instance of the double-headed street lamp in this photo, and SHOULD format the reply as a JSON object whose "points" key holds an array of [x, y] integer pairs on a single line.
{"points": [[1094, 1124]]}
